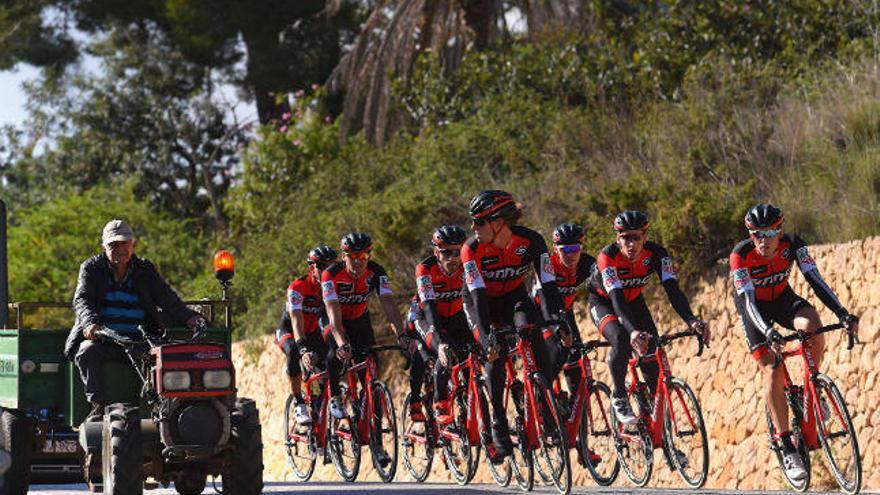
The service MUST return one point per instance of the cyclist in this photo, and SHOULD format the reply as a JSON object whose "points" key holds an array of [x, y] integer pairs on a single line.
{"points": [[572, 267], [618, 308], [496, 260], [439, 317], [759, 268], [297, 334], [346, 286]]}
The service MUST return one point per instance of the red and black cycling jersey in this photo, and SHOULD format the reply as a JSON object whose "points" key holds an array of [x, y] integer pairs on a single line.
{"points": [[337, 284], [490, 271], [622, 281], [304, 294], [438, 292], [569, 281], [756, 278]]}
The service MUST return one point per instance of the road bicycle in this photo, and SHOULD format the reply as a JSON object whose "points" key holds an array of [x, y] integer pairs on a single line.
{"points": [[819, 417], [672, 421]]}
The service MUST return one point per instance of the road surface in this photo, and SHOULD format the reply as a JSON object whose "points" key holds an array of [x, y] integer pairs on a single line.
{"points": [[369, 488]]}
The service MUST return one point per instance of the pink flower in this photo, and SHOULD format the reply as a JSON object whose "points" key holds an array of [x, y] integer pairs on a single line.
{"points": [[315, 87], [296, 142], [327, 119], [285, 116], [283, 128], [299, 94]]}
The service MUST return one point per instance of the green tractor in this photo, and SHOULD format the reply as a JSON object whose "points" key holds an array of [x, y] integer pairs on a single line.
{"points": [[174, 413]]}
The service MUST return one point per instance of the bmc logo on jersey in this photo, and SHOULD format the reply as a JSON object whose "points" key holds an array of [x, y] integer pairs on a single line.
{"points": [[772, 280], [506, 273], [354, 299], [630, 283], [449, 295]]}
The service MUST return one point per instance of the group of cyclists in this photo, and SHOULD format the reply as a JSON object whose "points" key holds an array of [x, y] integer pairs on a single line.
{"points": [[472, 282]]}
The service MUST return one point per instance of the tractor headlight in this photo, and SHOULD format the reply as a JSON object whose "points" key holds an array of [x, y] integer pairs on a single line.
{"points": [[217, 379], [176, 380]]}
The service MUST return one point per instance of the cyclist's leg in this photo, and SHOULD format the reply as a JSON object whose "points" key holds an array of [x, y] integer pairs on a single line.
{"points": [[292, 367], [545, 346], [773, 379], [572, 376], [801, 315], [603, 316], [332, 363], [644, 321]]}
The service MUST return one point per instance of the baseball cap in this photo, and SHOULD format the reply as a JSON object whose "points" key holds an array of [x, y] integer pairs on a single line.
{"points": [[116, 230]]}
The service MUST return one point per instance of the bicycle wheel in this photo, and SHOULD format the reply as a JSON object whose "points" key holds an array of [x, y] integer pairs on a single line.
{"points": [[796, 436], [552, 454], [299, 441], [522, 464], [594, 436], [457, 446], [685, 435], [383, 432], [500, 472], [635, 450], [343, 440], [416, 442], [838, 437]]}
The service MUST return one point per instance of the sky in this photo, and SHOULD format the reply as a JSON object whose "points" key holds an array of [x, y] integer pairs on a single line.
{"points": [[12, 96]]}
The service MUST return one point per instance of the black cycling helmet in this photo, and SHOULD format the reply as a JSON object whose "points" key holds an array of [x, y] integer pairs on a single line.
{"points": [[322, 256], [568, 233], [356, 242], [492, 204], [631, 220], [448, 235], [764, 216]]}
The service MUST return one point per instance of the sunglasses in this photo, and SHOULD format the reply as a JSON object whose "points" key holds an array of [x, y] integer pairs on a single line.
{"points": [[570, 249], [358, 256], [450, 253], [479, 222], [631, 237], [765, 234]]}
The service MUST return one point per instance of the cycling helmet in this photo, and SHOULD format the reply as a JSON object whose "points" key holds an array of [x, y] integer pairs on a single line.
{"points": [[356, 242], [492, 204], [631, 220], [568, 233], [448, 235], [764, 216], [322, 255]]}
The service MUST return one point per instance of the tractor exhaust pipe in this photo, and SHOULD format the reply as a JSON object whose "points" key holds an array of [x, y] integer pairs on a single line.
{"points": [[4, 269]]}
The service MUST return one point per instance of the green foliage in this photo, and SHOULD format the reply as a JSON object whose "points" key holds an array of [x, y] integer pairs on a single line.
{"points": [[48, 242]]}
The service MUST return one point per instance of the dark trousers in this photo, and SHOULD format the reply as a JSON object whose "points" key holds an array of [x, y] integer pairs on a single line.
{"points": [[90, 356]]}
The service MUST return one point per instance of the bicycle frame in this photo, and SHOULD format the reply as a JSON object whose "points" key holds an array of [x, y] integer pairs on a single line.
{"points": [[655, 420], [319, 428], [523, 350], [368, 365], [807, 419], [581, 404], [475, 423]]}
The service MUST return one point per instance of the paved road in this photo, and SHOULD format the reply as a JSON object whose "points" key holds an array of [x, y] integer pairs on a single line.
{"points": [[327, 488]]}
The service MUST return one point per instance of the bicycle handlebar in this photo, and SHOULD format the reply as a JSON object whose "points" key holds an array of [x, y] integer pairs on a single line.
{"points": [[592, 345], [803, 336], [663, 340]]}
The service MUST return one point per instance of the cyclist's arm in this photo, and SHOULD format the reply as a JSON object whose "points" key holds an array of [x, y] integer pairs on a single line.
{"points": [[294, 310], [386, 299], [334, 309], [431, 333], [545, 277], [811, 272], [744, 294], [666, 271], [476, 288]]}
